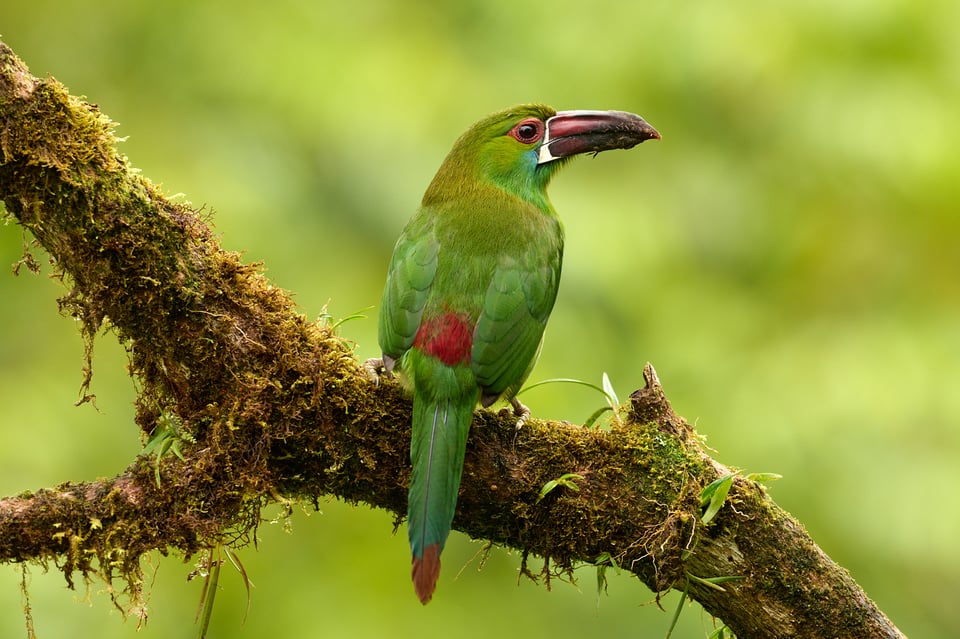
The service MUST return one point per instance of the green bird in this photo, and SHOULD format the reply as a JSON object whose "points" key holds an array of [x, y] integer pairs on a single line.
{"points": [[470, 286]]}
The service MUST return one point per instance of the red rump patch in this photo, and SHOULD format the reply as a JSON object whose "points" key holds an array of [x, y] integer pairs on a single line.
{"points": [[448, 337]]}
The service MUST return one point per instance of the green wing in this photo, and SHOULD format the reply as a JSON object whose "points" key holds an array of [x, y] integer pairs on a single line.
{"points": [[506, 341], [413, 268]]}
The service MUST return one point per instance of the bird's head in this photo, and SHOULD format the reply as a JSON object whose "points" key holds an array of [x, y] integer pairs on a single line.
{"points": [[519, 149]]}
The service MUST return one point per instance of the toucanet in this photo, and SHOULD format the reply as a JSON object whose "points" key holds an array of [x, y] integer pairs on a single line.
{"points": [[470, 286]]}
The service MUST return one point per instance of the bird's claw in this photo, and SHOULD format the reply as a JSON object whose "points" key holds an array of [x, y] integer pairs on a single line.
{"points": [[372, 368], [521, 412]]}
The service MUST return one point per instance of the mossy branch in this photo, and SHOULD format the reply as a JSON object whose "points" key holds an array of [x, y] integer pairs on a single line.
{"points": [[277, 406]]}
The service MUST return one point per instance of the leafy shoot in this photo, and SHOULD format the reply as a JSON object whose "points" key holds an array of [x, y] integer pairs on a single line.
{"points": [[567, 481]]}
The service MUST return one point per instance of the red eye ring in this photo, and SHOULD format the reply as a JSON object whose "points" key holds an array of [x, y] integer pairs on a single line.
{"points": [[527, 131]]}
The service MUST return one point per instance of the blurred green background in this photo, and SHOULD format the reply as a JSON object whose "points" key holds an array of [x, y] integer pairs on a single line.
{"points": [[787, 258]]}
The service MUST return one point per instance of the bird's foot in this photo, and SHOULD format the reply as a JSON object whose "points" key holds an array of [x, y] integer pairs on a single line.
{"points": [[373, 367], [520, 411]]}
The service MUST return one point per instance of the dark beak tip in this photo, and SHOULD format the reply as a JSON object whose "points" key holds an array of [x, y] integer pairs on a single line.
{"points": [[648, 132]]}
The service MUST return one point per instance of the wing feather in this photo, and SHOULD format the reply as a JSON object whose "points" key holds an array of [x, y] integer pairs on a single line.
{"points": [[510, 328], [412, 271]]}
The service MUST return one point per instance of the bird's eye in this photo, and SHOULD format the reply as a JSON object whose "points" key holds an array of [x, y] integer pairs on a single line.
{"points": [[528, 131]]}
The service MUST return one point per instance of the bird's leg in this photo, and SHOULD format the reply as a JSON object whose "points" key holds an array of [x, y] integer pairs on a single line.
{"points": [[522, 412]]}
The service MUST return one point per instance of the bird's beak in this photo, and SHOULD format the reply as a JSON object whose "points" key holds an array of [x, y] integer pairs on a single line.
{"points": [[574, 132]]}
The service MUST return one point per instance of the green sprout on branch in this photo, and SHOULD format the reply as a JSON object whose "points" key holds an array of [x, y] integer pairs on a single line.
{"points": [[567, 481], [166, 438], [605, 389]]}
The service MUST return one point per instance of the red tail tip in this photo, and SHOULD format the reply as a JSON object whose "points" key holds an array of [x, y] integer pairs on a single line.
{"points": [[425, 572]]}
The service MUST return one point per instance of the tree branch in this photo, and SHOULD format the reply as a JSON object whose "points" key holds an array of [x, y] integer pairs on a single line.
{"points": [[272, 405]]}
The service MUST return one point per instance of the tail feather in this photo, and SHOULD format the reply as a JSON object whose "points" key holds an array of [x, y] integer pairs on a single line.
{"points": [[425, 572], [440, 427]]}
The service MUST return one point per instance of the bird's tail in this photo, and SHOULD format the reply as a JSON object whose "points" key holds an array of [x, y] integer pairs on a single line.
{"points": [[440, 427]]}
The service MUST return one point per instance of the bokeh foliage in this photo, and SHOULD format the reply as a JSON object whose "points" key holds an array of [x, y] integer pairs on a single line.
{"points": [[786, 257]]}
